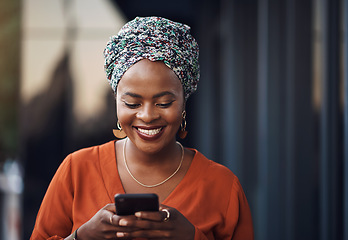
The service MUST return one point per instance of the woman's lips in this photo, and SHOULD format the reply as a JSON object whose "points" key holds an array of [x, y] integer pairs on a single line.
{"points": [[149, 134]]}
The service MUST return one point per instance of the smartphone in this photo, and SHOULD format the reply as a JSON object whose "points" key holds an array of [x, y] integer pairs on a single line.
{"points": [[128, 204]]}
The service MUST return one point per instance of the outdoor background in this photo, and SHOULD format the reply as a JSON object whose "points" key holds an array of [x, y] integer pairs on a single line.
{"points": [[272, 103]]}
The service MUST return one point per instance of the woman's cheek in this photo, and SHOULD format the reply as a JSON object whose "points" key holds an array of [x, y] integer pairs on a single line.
{"points": [[175, 118], [124, 115]]}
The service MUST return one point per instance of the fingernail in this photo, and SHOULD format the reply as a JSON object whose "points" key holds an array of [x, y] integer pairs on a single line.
{"points": [[119, 234], [138, 214], [123, 222]]}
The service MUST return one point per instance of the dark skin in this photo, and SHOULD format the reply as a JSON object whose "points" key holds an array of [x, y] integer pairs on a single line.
{"points": [[151, 159]]}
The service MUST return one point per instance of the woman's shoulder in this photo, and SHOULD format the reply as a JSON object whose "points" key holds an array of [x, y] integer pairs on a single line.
{"points": [[92, 153], [89, 160], [214, 178], [212, 170]]}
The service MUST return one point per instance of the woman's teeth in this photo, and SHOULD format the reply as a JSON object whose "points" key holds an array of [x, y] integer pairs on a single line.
{"points": [[149, 132]]}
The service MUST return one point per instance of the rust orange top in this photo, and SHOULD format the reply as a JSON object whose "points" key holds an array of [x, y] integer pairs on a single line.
{"points": [[209, 196]]}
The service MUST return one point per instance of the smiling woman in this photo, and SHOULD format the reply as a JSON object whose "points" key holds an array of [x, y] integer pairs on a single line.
{"points": [[152, 66]]}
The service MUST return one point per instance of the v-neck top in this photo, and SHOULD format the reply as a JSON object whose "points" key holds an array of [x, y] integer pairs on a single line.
{"points": [[210, 196]]}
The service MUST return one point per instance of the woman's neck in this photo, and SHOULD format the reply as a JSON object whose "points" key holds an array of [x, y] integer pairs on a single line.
{"points": [[166, 157]]}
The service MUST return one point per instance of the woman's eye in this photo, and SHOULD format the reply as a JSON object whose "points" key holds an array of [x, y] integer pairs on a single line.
{"points": [[132, 105], [164, 105]]}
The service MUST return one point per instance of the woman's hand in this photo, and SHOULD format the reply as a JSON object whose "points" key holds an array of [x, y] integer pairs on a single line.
{"points": [[104, 225], [165, 224]]}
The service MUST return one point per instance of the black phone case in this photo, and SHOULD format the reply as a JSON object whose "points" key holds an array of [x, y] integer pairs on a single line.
{"points": [[128, 204]]}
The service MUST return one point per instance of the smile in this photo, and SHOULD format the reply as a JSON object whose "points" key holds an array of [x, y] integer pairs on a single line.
{"points": [[150, 132]]}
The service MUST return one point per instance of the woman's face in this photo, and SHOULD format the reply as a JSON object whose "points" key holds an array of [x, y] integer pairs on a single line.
{"points": [[150, 102]]}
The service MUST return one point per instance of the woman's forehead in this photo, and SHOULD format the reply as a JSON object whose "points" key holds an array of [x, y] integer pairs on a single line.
{"points": [[147, 75]]}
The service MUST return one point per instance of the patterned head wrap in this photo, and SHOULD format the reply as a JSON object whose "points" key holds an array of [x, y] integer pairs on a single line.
{"points": [[157, 39]]}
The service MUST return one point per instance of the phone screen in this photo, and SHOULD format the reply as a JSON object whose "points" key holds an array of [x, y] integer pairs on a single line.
{"points": [[128, 204]]}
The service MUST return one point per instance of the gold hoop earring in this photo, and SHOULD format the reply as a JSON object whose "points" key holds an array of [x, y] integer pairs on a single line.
{"points": [[183, 132], [119, 133]]}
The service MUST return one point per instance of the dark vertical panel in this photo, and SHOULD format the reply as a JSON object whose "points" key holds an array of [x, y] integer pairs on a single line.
{"points": [[290, 129], [324, 192], [229, 89], [262, 210], [238, 92], [237, 89], [331, 215], [289, 123], [249, 90], [274, 124], [305, 163], [344, 18], [205, 128]]}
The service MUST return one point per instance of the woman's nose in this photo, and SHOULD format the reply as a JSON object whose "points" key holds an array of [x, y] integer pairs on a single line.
{"points": [[148, 113]]}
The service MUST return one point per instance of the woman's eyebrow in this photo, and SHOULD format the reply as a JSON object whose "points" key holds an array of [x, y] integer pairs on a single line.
{"points": [[132, 95], [161, 94], [158, 95]]}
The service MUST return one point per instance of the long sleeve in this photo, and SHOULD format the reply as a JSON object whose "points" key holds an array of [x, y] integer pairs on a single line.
{"points": [[85, 182], [239, 204], [54, 219], [236, 222]]}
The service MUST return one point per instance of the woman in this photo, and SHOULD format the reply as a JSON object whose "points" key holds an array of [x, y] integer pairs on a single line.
{"points": [[152, 66]]}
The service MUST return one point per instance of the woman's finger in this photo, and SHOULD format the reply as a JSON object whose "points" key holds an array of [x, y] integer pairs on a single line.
{"points": [[117, 221], [146, 234], [110, 207], [163, 215], [146, 224]]}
